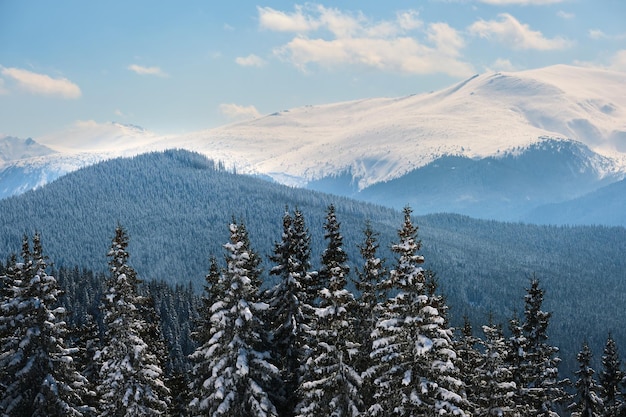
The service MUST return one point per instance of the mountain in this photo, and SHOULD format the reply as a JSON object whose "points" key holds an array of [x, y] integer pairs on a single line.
{"points": [[176, 206], [12, 149], [603, 206], [496, 145]]}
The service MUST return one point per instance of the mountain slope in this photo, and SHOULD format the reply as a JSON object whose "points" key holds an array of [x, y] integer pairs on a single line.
{"points": [[176, 206], [603, 206], [506, 127]]}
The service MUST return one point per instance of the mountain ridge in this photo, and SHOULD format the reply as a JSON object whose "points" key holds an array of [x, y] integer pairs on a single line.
{"points": [[380, 140]]}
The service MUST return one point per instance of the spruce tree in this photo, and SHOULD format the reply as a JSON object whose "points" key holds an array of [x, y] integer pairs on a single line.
{"points": [[469, 360], [36, 366], [290, 311], [131, 380], [587, 401], [330, 384], [371, 296], [232, 371], [416, 373], [611, 378], [495, 386], [542, 390]]}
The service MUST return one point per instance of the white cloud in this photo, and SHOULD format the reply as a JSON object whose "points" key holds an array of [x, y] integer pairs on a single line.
{"points": [[285, 22], [42, 84], [520, 2], [330, 38], [250, 61], [598, 34], [510, 31], [238, 112], [502, 64], [618, 61], [565, 15], [138, 69]]}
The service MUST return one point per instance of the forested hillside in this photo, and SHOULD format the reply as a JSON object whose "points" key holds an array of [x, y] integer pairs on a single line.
{"points": [[175, 206]]}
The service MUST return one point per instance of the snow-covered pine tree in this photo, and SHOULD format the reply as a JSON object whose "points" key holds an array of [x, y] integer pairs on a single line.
{"points": [[541, 388], [232, 370], [416, 372], [469, 360], [587, 402], [371, 296], [37, 368], [611, 378], [330, 384], [290, 311], [495, 386], [130, 377]]}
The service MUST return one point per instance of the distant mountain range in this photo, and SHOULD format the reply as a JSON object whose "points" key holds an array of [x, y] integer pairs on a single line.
{"points": [[506, 146]]}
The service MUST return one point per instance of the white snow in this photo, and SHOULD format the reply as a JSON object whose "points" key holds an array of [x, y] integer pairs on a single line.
{"points": [[380, 139]]}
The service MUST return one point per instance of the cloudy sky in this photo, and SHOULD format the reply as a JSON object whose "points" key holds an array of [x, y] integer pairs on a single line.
{"points": [[181, 66]]}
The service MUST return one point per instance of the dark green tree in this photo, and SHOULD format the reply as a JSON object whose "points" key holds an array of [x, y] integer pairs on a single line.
{"points": [[611, 378], [587, 402]]}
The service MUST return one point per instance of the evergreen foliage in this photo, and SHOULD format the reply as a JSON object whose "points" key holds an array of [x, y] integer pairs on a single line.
{"points": [[330, 384], [37, 373], [587, 402], [131, 380], [232, 372], [291, 309], [414, 367], [611, 379]]}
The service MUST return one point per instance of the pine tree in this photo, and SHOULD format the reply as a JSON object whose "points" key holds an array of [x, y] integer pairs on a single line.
{"points": [[37, 368], [371, 296], [416, 372], [469, 360], [611, 377], [130, 377], [587, 403], [495, 386], [541, 389], [231, 371], [330, 384], [290, 311]]}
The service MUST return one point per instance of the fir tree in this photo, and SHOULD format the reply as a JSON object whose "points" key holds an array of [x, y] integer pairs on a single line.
{"points": [[371, 296], [495, 386], [37, 368], [290, 311], [469, 360], [130, 377], [611, 377], [416, 372], [231, 371], [541, 389], [587, 402], [330, 385]]}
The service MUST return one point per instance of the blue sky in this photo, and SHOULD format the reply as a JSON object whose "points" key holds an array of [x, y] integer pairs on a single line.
{"points": [[183, 66]]}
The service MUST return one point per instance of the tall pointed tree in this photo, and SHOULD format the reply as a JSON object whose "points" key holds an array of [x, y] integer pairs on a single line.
{"points": [[611, 378], [371, 296], [416, 372], [542, 390], [131, 380], [290, 310], [232, 370], [587, 402], [36, 366], [330, 384]]}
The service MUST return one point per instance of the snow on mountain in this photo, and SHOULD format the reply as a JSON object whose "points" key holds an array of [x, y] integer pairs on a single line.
{"points": [[384, 138], [381, 139], [12, 149]]}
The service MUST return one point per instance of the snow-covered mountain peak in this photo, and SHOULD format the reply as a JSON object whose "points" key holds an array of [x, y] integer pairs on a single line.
{"points": [[112, 138], [12, 148], [380, 139]]}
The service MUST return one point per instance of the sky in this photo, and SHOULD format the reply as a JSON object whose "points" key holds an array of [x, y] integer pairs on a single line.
{"points": [[175, 67]]}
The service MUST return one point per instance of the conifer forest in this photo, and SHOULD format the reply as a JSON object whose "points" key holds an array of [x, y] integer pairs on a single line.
{"points": [[370, 340]]}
